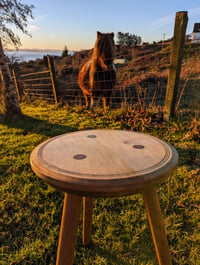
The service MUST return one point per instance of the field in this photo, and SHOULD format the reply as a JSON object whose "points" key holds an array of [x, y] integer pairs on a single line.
{"points": [[142, 78], [30, 211]]}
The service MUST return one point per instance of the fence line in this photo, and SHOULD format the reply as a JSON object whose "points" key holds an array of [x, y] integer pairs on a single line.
{"points": [[37, 73], [141, 80], [148, 88], [37, 84]]}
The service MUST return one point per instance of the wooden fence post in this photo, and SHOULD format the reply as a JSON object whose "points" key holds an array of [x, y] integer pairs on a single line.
{"points": [[175, 63], [16, 85], [53, 77]]}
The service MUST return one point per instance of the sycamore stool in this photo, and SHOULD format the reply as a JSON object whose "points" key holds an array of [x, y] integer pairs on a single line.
{"points": [[104, 163]]}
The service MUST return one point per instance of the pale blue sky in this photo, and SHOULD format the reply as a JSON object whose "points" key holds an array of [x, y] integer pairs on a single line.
{"points": [[74, 23]]}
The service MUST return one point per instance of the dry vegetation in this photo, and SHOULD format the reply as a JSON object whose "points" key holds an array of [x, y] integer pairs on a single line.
{"points": [[142, 78]]}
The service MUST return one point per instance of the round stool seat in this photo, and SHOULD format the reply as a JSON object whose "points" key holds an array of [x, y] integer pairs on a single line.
{"points": [[103, 162]]}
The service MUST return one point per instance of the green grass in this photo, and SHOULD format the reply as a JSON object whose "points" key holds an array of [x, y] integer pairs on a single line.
{"points": [[30, 210]]}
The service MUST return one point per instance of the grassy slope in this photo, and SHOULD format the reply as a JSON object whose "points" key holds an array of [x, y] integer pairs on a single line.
{"points": [[30, 211]]}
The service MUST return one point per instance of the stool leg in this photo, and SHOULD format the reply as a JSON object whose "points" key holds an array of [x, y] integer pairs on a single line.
{"points": [[68, 230], [157, 226], [87, 220]]}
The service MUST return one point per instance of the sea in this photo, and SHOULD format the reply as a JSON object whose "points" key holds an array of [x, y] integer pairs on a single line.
{"points": [[32, 55]]}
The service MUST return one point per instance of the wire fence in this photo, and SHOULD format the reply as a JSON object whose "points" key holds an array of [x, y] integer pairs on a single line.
{"points": [[138, 80], [142, 79], [142, 76], [37, 85], [188, 97]]}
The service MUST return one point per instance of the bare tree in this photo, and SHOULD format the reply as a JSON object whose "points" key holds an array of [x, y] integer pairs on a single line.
{"points": [[12, 12]]}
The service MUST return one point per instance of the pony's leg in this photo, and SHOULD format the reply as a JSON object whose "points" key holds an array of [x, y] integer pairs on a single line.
{"points": [[91, 102], [104, 102], [98, 102], [86, 100]]}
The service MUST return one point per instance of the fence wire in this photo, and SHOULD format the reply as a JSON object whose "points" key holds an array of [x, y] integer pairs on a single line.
{"points": [[138, 79], [142, 75], [37, 85]]}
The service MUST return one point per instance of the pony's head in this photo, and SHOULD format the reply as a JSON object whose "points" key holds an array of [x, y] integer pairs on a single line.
{"points": [[105, 47]]}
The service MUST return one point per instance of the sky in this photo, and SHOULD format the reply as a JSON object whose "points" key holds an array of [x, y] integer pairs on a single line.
{"points": [[74, 23]]}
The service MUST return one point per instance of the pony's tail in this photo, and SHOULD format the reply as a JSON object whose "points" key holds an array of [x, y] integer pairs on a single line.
{"points": [[83, 78]]}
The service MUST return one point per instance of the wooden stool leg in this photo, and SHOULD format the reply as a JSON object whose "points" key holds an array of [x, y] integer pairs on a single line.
{"points": [[68, 230], [157, 226], [87, 220]]}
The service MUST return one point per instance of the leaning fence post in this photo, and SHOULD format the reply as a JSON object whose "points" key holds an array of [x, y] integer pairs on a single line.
{"points": [[175, 63], [53, 77], [16, 84]]}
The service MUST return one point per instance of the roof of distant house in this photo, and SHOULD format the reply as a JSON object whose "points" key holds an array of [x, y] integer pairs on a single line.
{"points": [[196, 27]]}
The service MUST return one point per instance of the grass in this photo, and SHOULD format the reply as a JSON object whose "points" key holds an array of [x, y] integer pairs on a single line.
{"points": [[30, 210]]}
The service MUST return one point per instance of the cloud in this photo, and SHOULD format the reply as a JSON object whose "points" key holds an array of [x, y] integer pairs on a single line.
{"points": [[38, 18], [167, 20], [41, 17], [193, 12], [163, 21], [33, 28]]}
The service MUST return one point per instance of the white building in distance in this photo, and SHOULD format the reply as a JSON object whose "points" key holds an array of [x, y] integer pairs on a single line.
{"points": [[196, 33]]}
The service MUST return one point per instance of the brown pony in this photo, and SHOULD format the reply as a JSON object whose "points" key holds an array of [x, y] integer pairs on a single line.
{"points": [[97, 76]]}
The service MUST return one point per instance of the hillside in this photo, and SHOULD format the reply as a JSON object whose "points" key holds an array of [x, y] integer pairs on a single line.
{"points": [[141, 77]]}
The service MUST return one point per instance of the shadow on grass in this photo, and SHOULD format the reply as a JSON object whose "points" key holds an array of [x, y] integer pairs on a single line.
{"points": [[142, 251], [188, 156], [29, 124]]}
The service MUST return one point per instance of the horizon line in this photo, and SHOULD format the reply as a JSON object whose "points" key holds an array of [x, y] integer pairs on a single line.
{"points": [[39, 49]]}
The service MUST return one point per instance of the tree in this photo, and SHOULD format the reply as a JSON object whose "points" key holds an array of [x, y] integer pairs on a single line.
{"points": [[128, 39], [65, 52], [12, 13], [9, 102], [120, 38]]}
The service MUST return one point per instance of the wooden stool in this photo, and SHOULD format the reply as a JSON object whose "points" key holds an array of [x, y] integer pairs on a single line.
{"points": [[104, 163]]}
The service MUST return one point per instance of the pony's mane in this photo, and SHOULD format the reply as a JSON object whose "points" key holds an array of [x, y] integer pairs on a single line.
{"points": [[104, 46]]}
